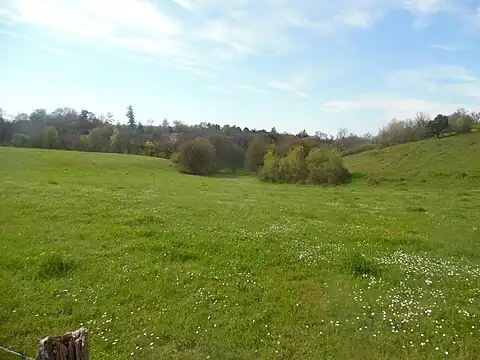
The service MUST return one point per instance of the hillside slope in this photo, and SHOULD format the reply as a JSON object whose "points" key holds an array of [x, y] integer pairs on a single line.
{"points": [[162, 265], [455, 158]]}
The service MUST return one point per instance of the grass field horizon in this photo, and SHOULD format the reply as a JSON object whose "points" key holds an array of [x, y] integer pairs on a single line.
{"points": [[162, 265]]}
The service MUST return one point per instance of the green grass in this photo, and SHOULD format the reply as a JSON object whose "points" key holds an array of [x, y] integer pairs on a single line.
{"points": [[163, 265], [453, 159]]}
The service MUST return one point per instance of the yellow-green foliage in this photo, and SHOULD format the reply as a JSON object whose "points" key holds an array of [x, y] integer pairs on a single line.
{"points": [[326, 167], [271, 165], [320, 166], [293, 166]]}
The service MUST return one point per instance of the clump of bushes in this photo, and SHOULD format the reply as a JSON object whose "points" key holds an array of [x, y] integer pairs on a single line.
{"points": [[317, 166], [197, 157]]}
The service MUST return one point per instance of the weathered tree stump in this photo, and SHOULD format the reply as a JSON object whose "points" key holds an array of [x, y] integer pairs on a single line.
{"points": [[71, 346]]}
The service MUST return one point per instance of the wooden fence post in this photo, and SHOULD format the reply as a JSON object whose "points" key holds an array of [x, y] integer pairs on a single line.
{"points": [[71, 346]]}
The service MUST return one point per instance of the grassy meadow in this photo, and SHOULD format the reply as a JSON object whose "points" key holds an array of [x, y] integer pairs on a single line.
{"points": [[162, 265]]}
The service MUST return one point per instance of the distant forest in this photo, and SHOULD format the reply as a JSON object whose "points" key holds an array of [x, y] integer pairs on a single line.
{"points": [[69, 129]]}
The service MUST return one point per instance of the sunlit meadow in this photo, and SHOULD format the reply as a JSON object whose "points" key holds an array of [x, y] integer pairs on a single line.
{"points": [[161, 265]]}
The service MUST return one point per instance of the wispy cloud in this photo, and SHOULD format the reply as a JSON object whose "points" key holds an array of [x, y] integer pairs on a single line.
{"points": [[16, 34], [218, 89], [134, 25], [285, 86], [390, 106], [39, 44], [430, 6], [189, 5], [295, 85], [428, 74], [446, 79], [357, 18], [57, 50], [206, 32], [449, 48], [251, 89]]}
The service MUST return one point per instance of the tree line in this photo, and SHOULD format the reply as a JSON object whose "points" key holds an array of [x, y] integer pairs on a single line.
{"points": [[223, 147]]}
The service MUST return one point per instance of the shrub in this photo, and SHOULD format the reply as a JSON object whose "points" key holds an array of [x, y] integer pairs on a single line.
{"points": [[321, 166], [293, 167], [461, 124], [147, 148], [271, 166], [197, 157], [326, 167], [174, 157], [19, 140]]}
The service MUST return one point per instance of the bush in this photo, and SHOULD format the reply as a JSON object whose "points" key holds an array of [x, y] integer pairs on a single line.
{"points": [[174, 157], [326, 167], [197, 157], [147, 148], [461, 124], [321, 166], [271, 166], [19, 140], [293, 167]]}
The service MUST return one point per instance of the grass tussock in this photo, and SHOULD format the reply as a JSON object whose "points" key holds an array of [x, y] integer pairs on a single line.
{"points": [[357, 264], [53, 266]]}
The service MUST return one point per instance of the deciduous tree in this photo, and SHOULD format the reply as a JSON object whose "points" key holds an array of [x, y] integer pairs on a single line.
{"points": [[197, 157]]}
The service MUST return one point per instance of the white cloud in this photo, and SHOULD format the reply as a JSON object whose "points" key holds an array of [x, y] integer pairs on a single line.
{"points": [[134, 25], [444, 79], [424, 10], [102, 19], [430, 75], [215, 31], [241, 26], [474, 19], [429, 6], [390, 106], [188, 5], [356, 18], [287, 87], [296, 84]]}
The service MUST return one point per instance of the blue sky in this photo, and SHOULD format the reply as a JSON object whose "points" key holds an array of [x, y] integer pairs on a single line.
{"points": [[313, 64]]}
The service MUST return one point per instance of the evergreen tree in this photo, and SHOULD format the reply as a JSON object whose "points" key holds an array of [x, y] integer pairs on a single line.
{"points": [[131, 117]]}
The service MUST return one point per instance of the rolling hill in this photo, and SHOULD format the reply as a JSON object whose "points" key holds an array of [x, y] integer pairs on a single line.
{"points": [[162, 265], [433, 161]]}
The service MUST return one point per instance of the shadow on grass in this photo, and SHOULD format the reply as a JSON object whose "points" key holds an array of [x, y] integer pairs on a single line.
{"points": [[233, 175], [355, 176]]}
